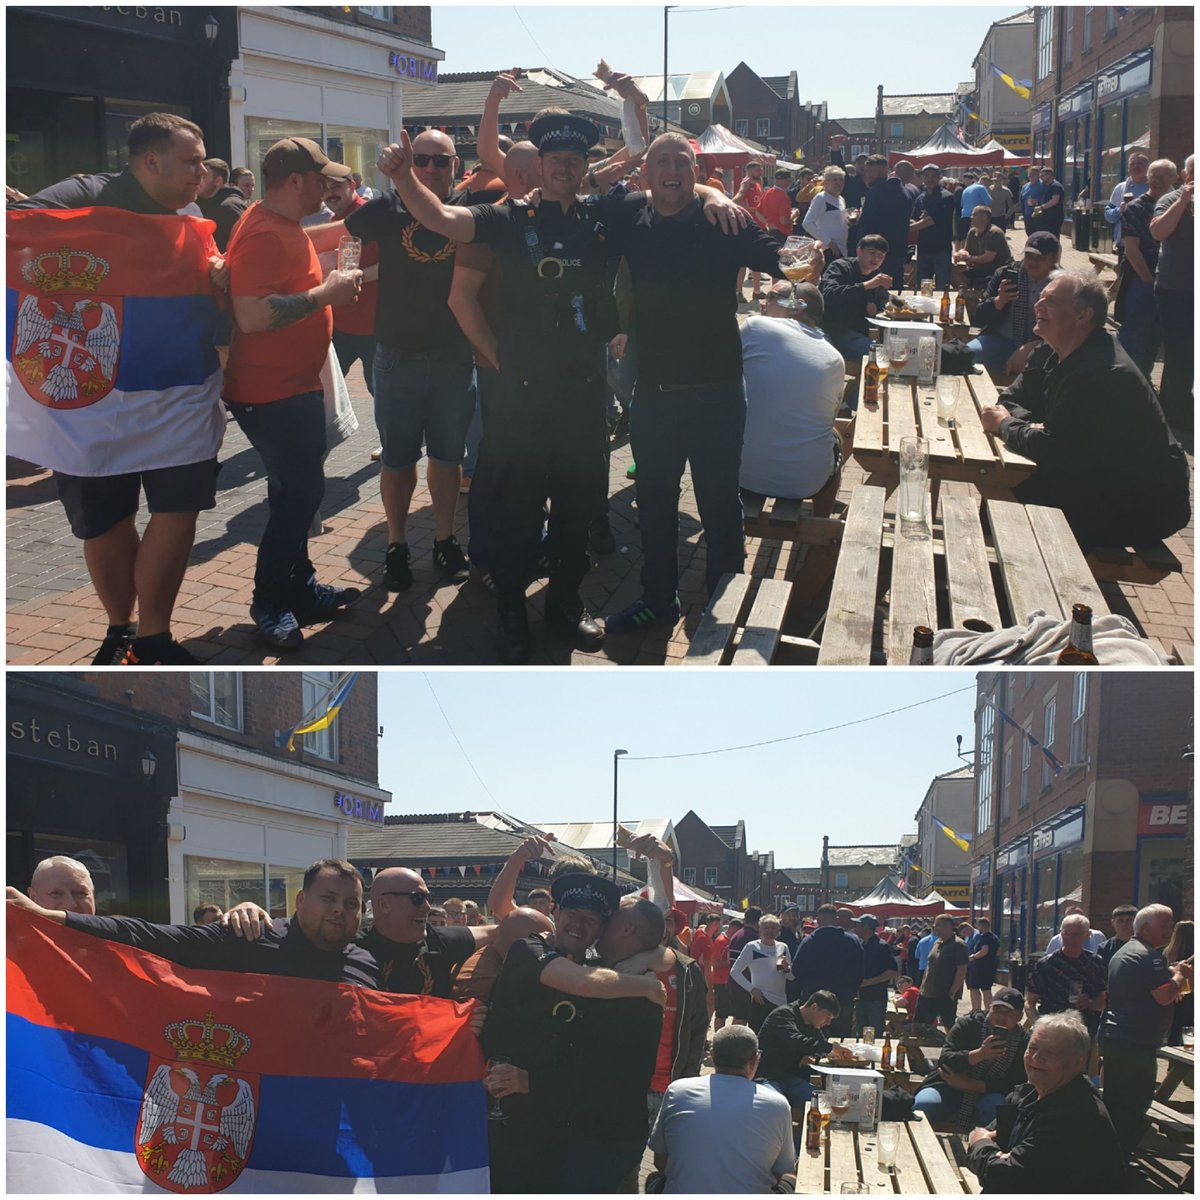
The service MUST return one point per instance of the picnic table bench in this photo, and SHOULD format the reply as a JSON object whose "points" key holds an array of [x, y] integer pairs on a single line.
{"points": [[743, 627], [974, 568]]}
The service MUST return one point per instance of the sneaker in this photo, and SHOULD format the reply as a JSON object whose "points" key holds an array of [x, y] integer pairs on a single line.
{"points": [[464, 488], [570, 617], [377, 454], [279, 629], [451, 561], [619, 430], [160, 649], [600, 537], [117, 640], [397, 571], [640, 617], [323, 602], [512, 632], [631, 473]]}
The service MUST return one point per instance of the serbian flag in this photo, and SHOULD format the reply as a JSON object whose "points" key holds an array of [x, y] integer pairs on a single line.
{"points": [[127, 1073], [111, 323]]}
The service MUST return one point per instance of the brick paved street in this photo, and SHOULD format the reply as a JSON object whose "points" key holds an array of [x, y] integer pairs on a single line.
{"points": [[55, 618]]}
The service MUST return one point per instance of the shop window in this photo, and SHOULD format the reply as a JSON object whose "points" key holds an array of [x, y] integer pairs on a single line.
{"points": [[1162, 872], [1045, 899], [1078, 715], [1006, 782], [107, 863], [689, 875], [763, 127], [741, 126], [1068, 33], [1048, 715], [1026, 763], [317, 688], [1070, 880], [984, 781], [784, 901], [841, 879], [217, 697], [263, 132], [710, 876], [1112, 149], [223, 882], [283, 884], [358, 149]]}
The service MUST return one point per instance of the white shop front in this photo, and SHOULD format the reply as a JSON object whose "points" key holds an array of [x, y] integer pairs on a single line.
{"points": [[344, 86]]}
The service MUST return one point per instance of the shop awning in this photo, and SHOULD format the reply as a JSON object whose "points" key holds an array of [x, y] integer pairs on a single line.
{"points": [[689, 899], [727, 150], [1010, 159]]}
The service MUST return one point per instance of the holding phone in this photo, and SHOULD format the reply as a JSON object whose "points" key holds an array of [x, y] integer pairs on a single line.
{"points": [[1010, 274]]}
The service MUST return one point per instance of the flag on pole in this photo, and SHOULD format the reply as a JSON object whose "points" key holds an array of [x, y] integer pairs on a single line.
{"points": [[127, 1073], [325, 711], [1023, 87], [110, 327], [1028, 735], [962, 841]]}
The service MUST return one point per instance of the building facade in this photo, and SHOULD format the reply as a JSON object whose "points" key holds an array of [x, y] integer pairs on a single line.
{"points": [[1104, 821], [796, 885], [848, 872], [944, 866], [716, 858], [692, 101], [1109, 81], [768, 109], [1003, 112]]}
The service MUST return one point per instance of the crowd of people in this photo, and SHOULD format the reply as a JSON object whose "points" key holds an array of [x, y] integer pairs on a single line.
{"points": [[553, 277], [598, 1013]]}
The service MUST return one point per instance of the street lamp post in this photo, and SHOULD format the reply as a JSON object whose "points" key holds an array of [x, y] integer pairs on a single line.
{"points": [[666, 14], [616, 759]]}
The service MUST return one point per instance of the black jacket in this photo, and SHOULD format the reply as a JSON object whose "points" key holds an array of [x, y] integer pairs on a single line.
{"points": [[1062, 1144], [226, 208], [691, 1017], [967, 1034], [1104, 455], [988, 317], [846, 299], [784, 1040]]}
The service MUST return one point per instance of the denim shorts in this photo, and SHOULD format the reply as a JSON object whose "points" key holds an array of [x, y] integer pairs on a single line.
{"points": [[422, 401]]}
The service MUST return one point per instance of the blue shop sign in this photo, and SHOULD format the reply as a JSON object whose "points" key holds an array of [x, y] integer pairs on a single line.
{"points": [[1013, 856], [1040, 120], [981, 871], [1061, 833], [1079, 101], [1125, 78]]}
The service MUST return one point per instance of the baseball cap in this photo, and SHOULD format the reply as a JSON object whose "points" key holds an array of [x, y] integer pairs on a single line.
{"points": [[787, 908], [577, 889], [298, 154], [1009, 997], [1042, 243], [868, 919], [931, 167]]}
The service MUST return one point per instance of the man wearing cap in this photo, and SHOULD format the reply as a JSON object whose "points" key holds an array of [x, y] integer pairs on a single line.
{"points": [[981, 1062], [933, 221], [283, 328], [879, 969], [1005, 315]]}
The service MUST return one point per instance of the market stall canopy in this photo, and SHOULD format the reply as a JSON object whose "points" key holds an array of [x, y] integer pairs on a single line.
{"points": [[887, 899], [727, 150], [1010, 159], [946, 149]]}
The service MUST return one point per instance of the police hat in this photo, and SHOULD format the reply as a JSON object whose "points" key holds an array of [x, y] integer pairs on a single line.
{"points": [[563, 131], [577, 889]]}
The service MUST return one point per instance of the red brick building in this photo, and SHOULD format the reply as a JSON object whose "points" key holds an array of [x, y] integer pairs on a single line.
{"points": [[716, 859], [768, 110], [1110, 827]]}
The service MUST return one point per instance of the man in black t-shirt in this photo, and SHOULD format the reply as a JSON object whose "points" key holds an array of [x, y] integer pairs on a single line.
{"points": [[1140, 331], [220, 201], [933, 219], [879, 970], [944, 976]]}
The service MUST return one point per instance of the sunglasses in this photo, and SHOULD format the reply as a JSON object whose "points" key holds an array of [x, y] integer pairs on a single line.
{"points": [[417, 898], [440, 161]]}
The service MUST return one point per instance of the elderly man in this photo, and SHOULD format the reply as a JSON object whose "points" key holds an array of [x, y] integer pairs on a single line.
{"points": [[1087, 416], [830, 958], [63, 883], [762, 969], [1005, 316], [1142, 991], [945, 974], [887, 212], [724, 1134], [981, 1062], [794, 383], [1095, 938], [1128, 190], [1062, 1139], [792, 1041], [826, 218], [985, 252], [1070, 977], [1173, 227], [933, 221]]}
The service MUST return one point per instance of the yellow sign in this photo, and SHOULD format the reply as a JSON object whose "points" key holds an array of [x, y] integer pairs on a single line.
{"points": [[1018, 143], [955, 893]]}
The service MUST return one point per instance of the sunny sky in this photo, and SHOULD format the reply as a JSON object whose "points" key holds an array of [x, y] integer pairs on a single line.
{"points": [[841, 52], [539, 745]]}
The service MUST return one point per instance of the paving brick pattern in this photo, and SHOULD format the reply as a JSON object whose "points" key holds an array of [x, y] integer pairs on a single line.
{"points": [[55, 618]]}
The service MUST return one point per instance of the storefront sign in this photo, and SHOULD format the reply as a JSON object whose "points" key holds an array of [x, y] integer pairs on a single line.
{"points": [[363, 810], [981, 871], [415, 70], [1163, 816], [1018, 143], [956, 893], [1124, 79], [1064, 831], [1041, 118], [177, 24], [1077, 102], [62, 737], [1012, 857]]}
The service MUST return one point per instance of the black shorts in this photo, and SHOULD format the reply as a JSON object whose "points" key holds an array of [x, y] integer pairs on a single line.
{"points": [[739, 1002], [722, 1003], [96, 503]]}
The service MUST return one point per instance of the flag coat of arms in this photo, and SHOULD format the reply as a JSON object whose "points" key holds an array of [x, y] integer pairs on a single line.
{"points": [[127, 1073], [110, 329]]}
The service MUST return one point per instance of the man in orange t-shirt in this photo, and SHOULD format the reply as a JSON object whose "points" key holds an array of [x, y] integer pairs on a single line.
{"points": [[272, 386], [749, 195], [775, 208]]}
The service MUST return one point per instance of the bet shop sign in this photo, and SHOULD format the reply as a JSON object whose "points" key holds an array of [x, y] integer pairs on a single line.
{"points": [[1163, 818]]}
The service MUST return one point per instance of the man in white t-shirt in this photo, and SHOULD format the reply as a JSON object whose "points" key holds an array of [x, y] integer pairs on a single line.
{"points": [[794, 384], [724, 1134]]}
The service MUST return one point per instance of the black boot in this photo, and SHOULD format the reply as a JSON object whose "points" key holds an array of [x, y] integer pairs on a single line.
{"points": [[512, 631], [566, 612]]}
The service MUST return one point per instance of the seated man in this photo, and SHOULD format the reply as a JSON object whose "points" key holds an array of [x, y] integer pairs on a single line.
{"points": [[794, 384], [791, 1041], [1005, 316], [985, 253], [981, 1062], [723, 1133], [1089, 419], [1062, 1139], [854, 290]]}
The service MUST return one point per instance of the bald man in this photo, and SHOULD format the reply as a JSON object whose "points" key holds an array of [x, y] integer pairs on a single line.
{"points": [[62, 883]]}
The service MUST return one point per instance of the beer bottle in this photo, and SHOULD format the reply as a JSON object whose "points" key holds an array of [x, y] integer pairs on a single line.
{"points": [[886, 1062], [1079, 648], [960, 309], [900, 1053], [871, 387], [922, 647], [944, 314], [812, 1138]]}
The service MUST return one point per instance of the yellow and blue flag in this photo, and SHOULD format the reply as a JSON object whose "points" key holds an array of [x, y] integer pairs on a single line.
{"points": [[1023, 87], [314, 722], [963, 843]]}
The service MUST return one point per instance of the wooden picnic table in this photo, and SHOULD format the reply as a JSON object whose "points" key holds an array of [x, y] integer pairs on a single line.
{"points": [[923, 1167], [1181, 1067], [961, 451], [974, 567]]}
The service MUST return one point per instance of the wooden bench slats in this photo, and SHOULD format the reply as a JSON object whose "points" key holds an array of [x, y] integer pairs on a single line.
{"points": [[842, 1163], [720, 623], [940, 1174], [978, 449], [810, 1169], [1027, 583], [956, 1157], [972, 597], [984, 393], [848, 627], [760, 638], [752, 506], [909, 1179], [901, 416], [940, 437], [914, 597], [1073, 582]]}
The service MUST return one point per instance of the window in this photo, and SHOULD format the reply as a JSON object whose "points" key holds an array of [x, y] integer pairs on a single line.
{"points": [[689, 874], [317, 687], [763, 127], [1110, 21], [1045, 42], [344, 143], [1078, 713], [784, 901], [710, 876], [1026, 762], [1006, 781], [225, 882], [217, 697], [1048, 714], [984, 781], [841, 879], [897, 129], [381, 12], [1087, 29], [1068, 33], [741, 126]]}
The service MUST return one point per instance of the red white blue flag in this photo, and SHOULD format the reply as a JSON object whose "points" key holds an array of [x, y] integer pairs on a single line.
{"points": [[127, 1073], [110, 328]]}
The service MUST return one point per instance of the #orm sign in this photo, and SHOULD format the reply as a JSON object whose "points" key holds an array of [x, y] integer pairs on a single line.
{"points": [[419, 70], [365, 810]]}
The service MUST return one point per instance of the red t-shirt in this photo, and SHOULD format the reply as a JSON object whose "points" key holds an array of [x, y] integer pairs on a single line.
{"points": [[718, 956], [661, 1079], [775, 208], [752, 198], [909, 998], [270, 255], [701, 946], [359, 318]]}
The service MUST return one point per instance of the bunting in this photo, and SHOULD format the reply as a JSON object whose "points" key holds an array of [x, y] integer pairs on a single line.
{"points": [[1028, 735]]}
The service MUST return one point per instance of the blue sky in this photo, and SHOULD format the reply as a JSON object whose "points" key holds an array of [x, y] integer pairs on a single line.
{"points": [[841, 52], [542, 744]]}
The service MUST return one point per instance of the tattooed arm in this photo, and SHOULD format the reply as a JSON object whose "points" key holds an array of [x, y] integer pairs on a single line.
{"points": [[256, 314]]}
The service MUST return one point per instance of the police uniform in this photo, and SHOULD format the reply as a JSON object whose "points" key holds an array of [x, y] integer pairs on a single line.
{"points": [[548, 439]]}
